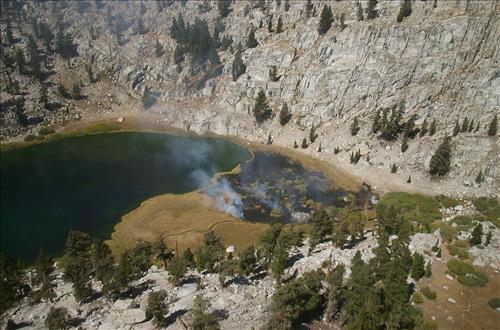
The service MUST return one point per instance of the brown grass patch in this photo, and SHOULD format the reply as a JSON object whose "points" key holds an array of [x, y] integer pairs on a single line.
{"points": [[184, 218]]}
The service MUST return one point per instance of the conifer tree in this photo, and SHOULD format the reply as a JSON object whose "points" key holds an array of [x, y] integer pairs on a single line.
{"points": [[273, 74], [394, 168], [57, 318], [404, 10], [287, 5], [312, 134], [441, 160], [409, 179], [224, 7], [432, 129], [280, 257], [465, 125], [376, 121], [471, 126], [9, 37], [42, 98], [326, 19], [428, 269], [76, 92], [247, 261], [342, 22], [295, 145], [158, 49], [456, 129], [477, 126], [157, 307], [270, 25], [176, 268], [261, 110], [359, 11], [371, 12], [304, 144], [480, 177], [285, 115], [279, 27], [140, 29], [20, 61], [355, 126], [404, 143], [188, 258], [44, 266], [309, 8], [477, 235], [90, 74], [251, 41], [201, 318], [492, 130], [423, 129], [418, 266], [238, 66]]}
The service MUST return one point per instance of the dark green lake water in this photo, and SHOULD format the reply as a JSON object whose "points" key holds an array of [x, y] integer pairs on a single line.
{"points": [[87, 183]]}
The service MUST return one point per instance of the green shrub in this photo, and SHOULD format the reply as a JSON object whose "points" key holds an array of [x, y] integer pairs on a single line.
{"points": [[475, 279], [417, 298], [457, 251], [413, 207], [446, 201], [490, 208], [46, 131], [494, 302], [461, 244], [462, 220], [428, 325], [428, 293], [448, 232], [458, 267]]}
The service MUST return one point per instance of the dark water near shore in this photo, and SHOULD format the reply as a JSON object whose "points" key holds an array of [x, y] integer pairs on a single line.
{"points": [[87, 183]]}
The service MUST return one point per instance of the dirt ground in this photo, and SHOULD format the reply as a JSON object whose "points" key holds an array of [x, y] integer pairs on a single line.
{"points": [[471, 310]]}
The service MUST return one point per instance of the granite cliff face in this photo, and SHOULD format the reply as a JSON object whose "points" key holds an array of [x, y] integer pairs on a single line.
{"points": [[442, 61]]}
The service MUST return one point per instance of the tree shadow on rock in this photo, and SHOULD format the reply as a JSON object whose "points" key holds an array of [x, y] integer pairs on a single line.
{"points": [[172, 317], [137, 290]]}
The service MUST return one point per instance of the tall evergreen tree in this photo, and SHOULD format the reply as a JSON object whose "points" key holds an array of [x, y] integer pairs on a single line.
{"points": [[279, 27], [359, 11], [261, 110], [492, 130], [418, 266], [309, 8], [157, 307], [287, 5], [270, 25], [44, 266], [477, 235], [465, 125], [238, 67], [273, 74], [158, 49], [404, 10], [456, 128], [76, 91], [20, 61], [251, 41], [280, 258], [433, 128], [224, 7], [441, 160], [9, 37], [371, 12], [201, 318], [42, 96], [355, 126], [247, 261], [326, 19], [285, 115]]}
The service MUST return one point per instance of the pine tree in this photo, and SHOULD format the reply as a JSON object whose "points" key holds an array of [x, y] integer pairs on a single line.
{"points": [[269, 139], [261, 110], [477, 126], [247, 261], [492, 130], [456, 129], [159, 49], [309, 8], [441, 160], [312, 134], [326, 19], [285, 115], [238, 66], [9, 37], [188, 258], [176, 268], [157, 307], [57, 318], [140, 29], [477, 235], [201, 318], [424, 129], [20, 61], [428, 269], [359, 11], [287, 5], [432, 129], [295, 145], [371, 12], [90, 74], [251, 41], [279, 27], [304, 144], [76, 92], [394, 168], [404, 143], [44, 266], [270, 25], [465, 125], [42, 98], [418, 266], [273, 74], [404, 10], [355, 126], [409, 179], [480, 177], [376, 121], [280, 258], [471, 126], [342, 22], [224, 7]]}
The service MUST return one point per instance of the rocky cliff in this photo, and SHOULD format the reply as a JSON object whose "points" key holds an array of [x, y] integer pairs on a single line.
{"points": [[442, 61]]}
